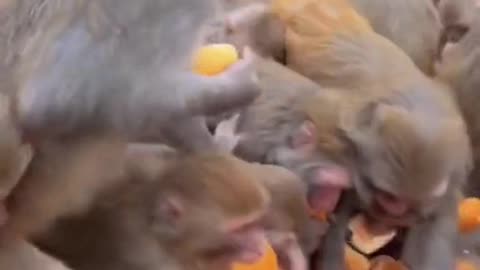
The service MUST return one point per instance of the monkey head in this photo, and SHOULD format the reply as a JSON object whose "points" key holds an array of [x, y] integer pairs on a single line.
{"points": [[216, 219], [300, 139], [407, 158]]}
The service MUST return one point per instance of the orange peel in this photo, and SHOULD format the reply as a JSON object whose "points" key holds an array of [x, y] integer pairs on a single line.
{"points": [[364, 239], [213, 59]]}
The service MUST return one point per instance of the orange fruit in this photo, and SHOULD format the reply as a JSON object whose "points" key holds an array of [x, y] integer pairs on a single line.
{"points": [[465, 265], [367, 240], [267, 262], [469, 215], [355, 260], [214, 58], [386, 263], [320, 216]]}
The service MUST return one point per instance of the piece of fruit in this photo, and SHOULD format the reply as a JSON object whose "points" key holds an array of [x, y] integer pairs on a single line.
{"points": [[469, 215], [386, 263], [365, 239], [267, 262], [354, 260], [214, 58], [465, 265], [320, 216]]}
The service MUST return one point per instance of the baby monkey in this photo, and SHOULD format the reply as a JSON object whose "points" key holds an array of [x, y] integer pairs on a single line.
{"points": [[200, 211]]}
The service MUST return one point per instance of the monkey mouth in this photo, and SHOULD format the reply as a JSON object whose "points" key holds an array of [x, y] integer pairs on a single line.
{"points": [[380, 215], [323, 198], [250, 256]]}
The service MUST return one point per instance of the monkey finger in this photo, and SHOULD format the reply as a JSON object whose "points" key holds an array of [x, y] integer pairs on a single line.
{"points": [[234, 89]]}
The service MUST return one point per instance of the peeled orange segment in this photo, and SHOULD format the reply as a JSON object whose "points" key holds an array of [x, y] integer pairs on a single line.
{"points": [[364, 239], [267, 262], [320, 216], [469, 215], [214, 59], [355, 260]]}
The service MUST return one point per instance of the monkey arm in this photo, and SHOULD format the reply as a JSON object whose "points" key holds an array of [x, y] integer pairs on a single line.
{"points": [[332, 253], [430, 245]]}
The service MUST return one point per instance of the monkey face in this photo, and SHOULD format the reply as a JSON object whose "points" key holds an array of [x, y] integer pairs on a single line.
{"points": [[394, 207], [399, 195], [325, 179], [405, 160], [214, 208]]}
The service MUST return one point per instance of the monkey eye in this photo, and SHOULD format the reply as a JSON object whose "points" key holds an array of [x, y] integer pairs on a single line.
{"points": [[455, 33]]}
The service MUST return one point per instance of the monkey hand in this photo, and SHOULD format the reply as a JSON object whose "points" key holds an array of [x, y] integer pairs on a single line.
{"points": [[225, 136], [232, 89], [242, 76]]}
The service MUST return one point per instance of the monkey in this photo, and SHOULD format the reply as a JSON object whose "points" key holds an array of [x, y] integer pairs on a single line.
{"points": [[203, 211], [279, 126], [458, 67], [456, 17], [412, 25], [372, 131], [73, 116], [289, 229], [116, 52]]}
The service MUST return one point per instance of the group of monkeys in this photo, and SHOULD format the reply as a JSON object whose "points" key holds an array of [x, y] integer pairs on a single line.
{"points": [[336, 106]]}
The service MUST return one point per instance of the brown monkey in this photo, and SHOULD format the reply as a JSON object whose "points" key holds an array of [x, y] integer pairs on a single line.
{"points": [[77, 106], [289, 229], [278, 129], [202, 212], [413, 25], [459, 67], [389, 131], [97, 65]]}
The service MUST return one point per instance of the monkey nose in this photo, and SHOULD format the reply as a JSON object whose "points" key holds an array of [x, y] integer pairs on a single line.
{"points": [[392, 205]]}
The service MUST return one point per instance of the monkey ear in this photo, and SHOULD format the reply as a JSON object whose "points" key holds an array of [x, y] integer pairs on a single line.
{"points": [[304, 136], [169, 209]]}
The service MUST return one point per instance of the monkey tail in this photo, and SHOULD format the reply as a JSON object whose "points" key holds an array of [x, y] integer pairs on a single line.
{"points": [[320, 17]]}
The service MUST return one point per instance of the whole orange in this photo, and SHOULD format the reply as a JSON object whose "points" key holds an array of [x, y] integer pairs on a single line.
{"points": [[469, 215]]}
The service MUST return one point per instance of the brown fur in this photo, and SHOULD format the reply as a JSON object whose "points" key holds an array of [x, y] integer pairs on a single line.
{"points": [[407, 134], [459, 67], [127, 228], [457, 17], [17, 254], [413, 25]]}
